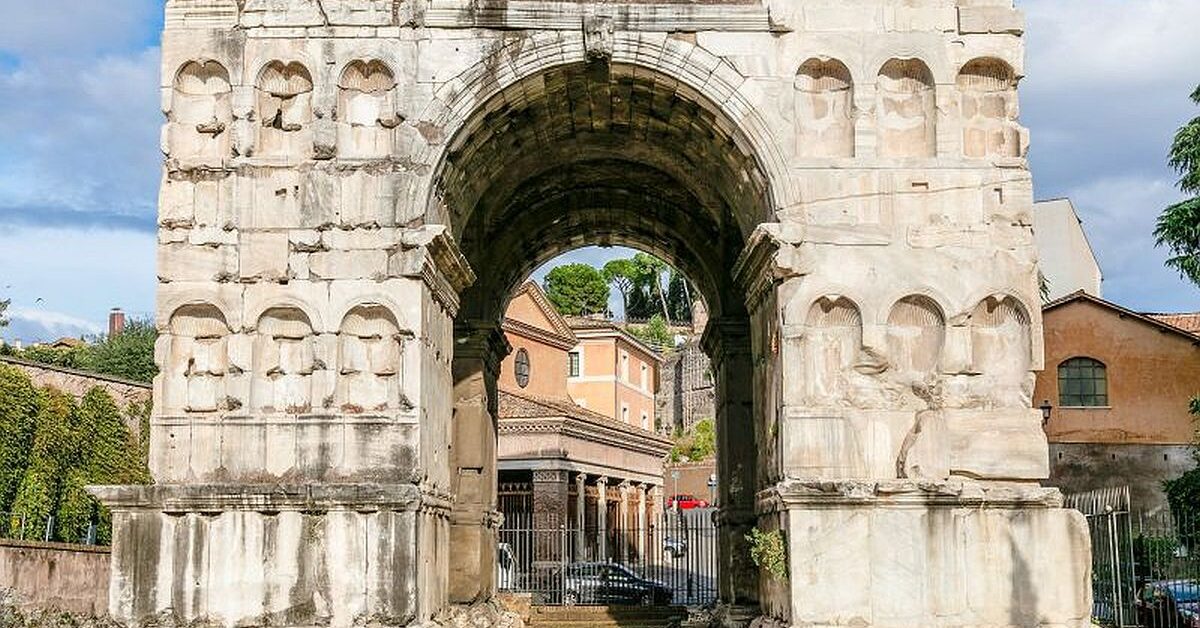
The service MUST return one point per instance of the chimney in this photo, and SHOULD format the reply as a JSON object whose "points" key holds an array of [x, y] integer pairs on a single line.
{"points": [[116, 322]]}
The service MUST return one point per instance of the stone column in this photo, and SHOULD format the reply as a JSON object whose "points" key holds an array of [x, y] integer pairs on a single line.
{"points": [[622, 527], [580, 516], [549, 514], [601, 518], [478, 350], [642, 532], [727, 341]]}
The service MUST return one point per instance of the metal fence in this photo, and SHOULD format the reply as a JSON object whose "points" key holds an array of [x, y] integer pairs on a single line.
{"points": [[24, 527], [672, 561], [1145, 567]]}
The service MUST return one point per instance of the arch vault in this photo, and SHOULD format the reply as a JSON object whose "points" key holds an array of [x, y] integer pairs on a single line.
{"points": [[352, 190]]}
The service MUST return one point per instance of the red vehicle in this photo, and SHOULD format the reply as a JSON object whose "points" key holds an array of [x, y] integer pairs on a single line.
{"points": [[685, 502]]}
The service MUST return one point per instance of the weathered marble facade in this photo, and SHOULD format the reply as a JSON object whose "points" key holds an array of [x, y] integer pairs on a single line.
{"points": [[352, 188]]}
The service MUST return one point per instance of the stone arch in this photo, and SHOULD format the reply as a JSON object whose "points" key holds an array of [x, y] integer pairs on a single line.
{"points": [[366, 110], [201, 113], [197, 361], [916, 334], [684, 65], [1002, 339], [284, 361], [605, 152], [284, 110], [988, 104], [370, 346], [832, 341], [824, 109], [906, 110]]}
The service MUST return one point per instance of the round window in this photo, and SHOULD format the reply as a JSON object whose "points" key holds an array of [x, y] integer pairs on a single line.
{"points": [[522, 368]]}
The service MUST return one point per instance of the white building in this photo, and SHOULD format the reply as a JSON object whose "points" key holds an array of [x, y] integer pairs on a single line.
{"points": [[1064, 253]]}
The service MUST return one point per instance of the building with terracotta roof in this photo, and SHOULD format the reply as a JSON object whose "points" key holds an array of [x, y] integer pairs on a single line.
{"points": [[1117, 386], [613, 373], [562, 464], [1188, 321]]}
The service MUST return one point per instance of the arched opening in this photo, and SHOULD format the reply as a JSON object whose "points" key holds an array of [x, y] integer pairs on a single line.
{"points": [[602, 154]]}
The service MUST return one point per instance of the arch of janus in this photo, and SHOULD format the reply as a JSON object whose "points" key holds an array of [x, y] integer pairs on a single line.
{"points": [[352, 188]]}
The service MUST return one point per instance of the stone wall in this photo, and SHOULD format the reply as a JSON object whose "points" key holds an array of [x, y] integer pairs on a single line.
{"points": [[686, 392], [77, 383], [55, 576], [1079, 467]]}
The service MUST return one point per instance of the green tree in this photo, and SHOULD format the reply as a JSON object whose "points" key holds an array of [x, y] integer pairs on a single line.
{"points": [[19, 408], [622, 274], [577, 290], [699, 443], [1183, 493], [55, 451], [1178, 226], [4, 303], [650, 270], [129, 354], [654, 333], [679, 297], [67, 357]]}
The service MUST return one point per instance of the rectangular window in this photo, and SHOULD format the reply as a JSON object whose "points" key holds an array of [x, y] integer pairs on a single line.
{"points": [[573, 364], [624, 413], [645, 421], [645, 377], [624, 366]]}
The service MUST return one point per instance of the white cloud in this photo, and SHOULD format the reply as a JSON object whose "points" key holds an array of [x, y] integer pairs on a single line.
{"points": [[33, 325], [79, 272]]}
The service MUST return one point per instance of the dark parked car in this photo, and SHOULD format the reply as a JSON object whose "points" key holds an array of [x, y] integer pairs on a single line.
{"points": [[1169, 604], [607, 583]]}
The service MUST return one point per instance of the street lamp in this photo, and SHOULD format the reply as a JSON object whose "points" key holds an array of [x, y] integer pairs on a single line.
{"points": [[1045, 408]]}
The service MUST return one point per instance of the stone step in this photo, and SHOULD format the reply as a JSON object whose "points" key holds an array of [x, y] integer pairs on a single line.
{"points": [[606, 616]]}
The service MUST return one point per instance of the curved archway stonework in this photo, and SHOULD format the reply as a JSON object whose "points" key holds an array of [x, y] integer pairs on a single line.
{"points": [[332, 282]]}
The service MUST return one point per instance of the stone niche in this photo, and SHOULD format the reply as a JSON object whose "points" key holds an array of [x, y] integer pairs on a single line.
{"points": [[201, 114], [831, 345], [284, 361], [370, 345], [988, 105], [906, 110], [284, 111], [197, 362], [1001, 337], [916, 332], [824, 109], [366, 110]]}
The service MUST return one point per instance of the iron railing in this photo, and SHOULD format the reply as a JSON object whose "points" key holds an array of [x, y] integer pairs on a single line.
{"points": [[670, 561], [24, 527]]}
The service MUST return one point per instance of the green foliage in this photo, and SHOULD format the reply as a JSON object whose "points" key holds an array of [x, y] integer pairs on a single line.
{"points": [[654, 333], [679, 297], [1154, 554], [699, 443], [55, 449], [129, 354], [19, 408], [769, 552], [577, 290], [4, 303], [1178, 226], [621, 274], [1183, 493]]}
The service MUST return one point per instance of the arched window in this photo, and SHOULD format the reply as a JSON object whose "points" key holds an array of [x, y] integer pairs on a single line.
{"points": [[521, 367], [1082, 382]]}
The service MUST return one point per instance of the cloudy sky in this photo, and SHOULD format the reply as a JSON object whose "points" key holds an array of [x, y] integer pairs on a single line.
{"points": [[1107, 86]]}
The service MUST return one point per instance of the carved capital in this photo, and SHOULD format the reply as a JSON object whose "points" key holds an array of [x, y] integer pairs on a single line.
{"points": [[481, 340], [772, 255], [724, 337]]}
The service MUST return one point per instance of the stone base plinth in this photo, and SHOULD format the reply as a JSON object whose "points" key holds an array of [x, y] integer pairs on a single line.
{"points": [[908, 554], [290, 556]]}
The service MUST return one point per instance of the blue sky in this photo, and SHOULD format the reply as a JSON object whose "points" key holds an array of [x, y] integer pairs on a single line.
{"points": [[79, 163]]}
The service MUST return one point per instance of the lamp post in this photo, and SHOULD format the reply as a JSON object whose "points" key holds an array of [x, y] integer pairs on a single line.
{"points": [[1045, 408]]}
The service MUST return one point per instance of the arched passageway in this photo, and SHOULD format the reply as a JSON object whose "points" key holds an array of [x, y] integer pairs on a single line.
{"points": [[599, 153]]}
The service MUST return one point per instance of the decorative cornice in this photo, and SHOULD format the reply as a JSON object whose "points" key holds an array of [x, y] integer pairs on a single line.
{"points": [[646, 442], [271, 498], [840, 494], [430, 253], [771, 256], [541, 335], [560, 324], [520, 15]]}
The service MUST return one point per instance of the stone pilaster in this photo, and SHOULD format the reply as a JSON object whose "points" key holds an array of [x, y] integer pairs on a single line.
{"points": [[623, 525], [580, 516], [642, 530], [478, 350]]}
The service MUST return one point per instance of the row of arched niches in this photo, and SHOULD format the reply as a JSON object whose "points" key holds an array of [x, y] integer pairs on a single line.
{"points": [[993, 341], [827, 116], [293, 369], [283, 366]]}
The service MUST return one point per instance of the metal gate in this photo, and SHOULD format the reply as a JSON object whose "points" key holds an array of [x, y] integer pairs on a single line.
{"points": [[672, 561], [1111, 528]]}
